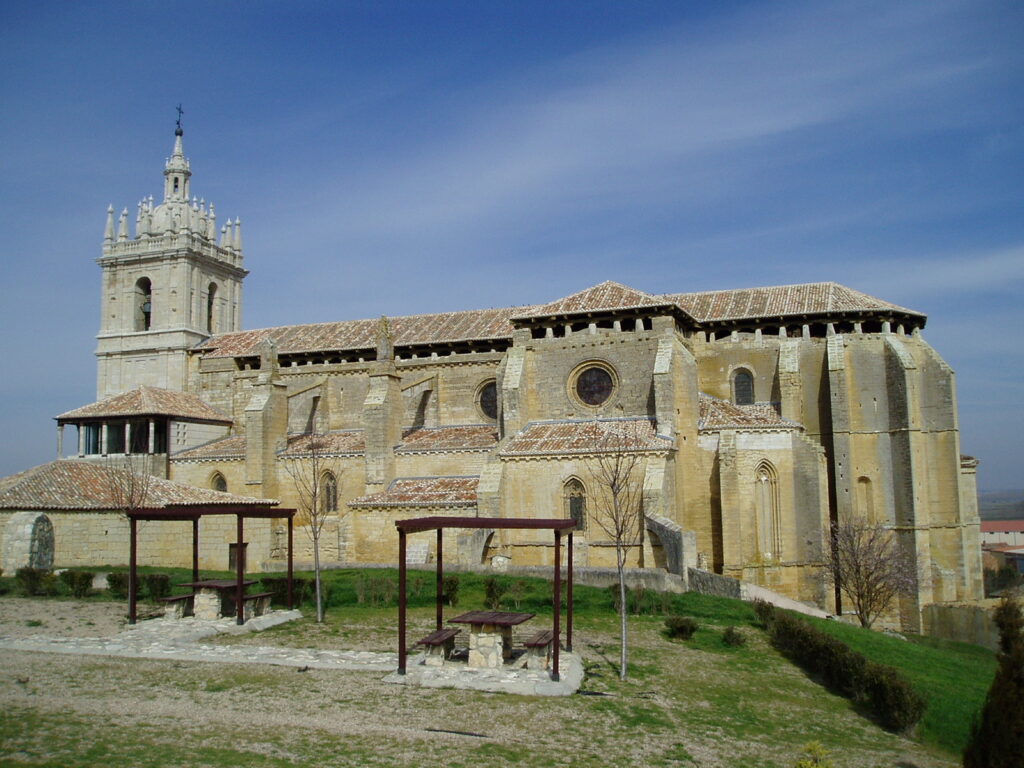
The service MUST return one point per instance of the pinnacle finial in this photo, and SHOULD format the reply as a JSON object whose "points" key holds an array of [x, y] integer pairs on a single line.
{"points": [[178, 130]]}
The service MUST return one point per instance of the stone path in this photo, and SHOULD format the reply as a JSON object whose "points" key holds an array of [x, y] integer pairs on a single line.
{"points": [[179, 639]]}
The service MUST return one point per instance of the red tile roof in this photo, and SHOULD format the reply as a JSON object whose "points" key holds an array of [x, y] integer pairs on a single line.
{"points": [[149, 401], [781, 300], [573, 436], [493, 324], [470, 325], [224, 448], [423, 492], [466, 437], [84, 485], [719, 414], [349, 441], [1002, 526], [607, 296]]}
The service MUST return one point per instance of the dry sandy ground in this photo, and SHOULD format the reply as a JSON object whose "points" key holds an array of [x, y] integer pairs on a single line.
{"points": [[141, 712]]}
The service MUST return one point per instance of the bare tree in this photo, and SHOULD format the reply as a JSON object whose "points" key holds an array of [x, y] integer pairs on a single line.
{"points": [[315, 476], [127, 482], [617, 472], [869, 566]]}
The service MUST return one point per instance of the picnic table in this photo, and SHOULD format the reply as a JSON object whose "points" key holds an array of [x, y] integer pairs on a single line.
{"points": [[215, 598], [490, 635]]}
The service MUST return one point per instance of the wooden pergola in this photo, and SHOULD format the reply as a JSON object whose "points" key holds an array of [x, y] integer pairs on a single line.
{"points": [[559, 526], [193, 512]]}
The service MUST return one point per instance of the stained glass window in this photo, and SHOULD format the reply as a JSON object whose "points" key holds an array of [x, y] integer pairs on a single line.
{"points": [[594, 385], [489, 400], [743, 387]]}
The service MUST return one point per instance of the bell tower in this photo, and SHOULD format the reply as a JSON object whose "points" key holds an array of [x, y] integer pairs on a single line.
{"points": [[169, 287]]}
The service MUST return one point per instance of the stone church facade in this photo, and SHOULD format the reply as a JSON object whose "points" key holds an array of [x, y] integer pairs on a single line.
{"points": [[756, 416]]}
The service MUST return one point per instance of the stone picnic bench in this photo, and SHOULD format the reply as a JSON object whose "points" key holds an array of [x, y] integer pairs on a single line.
{"points": [[439, 645]]}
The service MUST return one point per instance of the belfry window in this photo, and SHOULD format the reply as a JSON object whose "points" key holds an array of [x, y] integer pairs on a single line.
{"points": [[575, 502], [211, 297], [143, 304], [743, 387]]}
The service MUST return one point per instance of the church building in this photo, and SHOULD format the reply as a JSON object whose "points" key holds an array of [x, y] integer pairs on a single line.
{"points": [[755, 417]]}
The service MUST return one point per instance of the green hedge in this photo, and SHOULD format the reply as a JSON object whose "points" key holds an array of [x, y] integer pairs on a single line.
{"points": [[878, 688]]}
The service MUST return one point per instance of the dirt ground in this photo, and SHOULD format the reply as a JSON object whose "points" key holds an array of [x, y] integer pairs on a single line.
{"points": [[86, 710]]}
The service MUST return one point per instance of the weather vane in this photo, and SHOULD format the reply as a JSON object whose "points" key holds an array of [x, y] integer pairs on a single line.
{"points": [[180, 113]]}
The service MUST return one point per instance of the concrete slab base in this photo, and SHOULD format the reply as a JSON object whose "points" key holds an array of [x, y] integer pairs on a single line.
{"points": [[523, 682]]}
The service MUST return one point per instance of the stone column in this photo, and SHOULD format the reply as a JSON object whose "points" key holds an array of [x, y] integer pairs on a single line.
{"points": [[152, 436], [81, 439], [60, 441], [103, 438], [127, 437]]}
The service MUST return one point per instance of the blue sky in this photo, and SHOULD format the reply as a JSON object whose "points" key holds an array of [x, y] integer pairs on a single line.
{"points": [[393, 158]]}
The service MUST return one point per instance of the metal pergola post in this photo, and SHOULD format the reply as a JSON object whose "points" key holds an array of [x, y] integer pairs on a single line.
{"points": [[401, 602], [556, 600], [132, 576], [239, 575]]}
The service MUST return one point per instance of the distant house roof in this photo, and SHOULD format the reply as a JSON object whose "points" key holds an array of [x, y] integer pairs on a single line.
{"points": [[423, 492], [1002, 526], [719, 414], [769, 303], [579, 436], [148, 401], [82, 485]]}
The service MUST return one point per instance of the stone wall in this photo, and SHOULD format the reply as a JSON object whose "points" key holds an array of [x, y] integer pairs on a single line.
{"points": [[707, 583], [963, 623], [102, 538]]}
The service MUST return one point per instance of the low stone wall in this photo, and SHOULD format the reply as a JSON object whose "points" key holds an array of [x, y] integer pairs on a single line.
{"points": [[649, 578], [708, 583], [963, 622]]}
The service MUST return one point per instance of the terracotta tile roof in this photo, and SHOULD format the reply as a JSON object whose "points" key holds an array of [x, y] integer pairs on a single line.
{"points": [[465, 437], [719, 414], [780, 300], [349, 441], [1002, 526], [488, 324], [224, 448], [470, 325], [73, 484], [423, 492], [149, 401], [607, 296], [577, 436]]}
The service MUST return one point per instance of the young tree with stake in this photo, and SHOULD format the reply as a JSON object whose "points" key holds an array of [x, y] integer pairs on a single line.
{"points": [[617, 473], [315, 476]]}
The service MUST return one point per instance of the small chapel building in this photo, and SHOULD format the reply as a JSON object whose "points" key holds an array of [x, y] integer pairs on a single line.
{"points": [[758, 416]]}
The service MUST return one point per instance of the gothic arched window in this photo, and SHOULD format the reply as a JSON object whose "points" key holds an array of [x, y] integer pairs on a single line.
{"points": [[743, 387], [329, 485], [575, 502], [766, 499], [143, 304], [218, 483], [211, 297]]}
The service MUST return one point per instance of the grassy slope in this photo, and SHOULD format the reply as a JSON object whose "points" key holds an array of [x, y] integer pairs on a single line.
{"points": [[754, 693]]}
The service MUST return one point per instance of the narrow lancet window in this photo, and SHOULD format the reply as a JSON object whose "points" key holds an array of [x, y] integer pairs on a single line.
{"points": [[743, 387]]}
